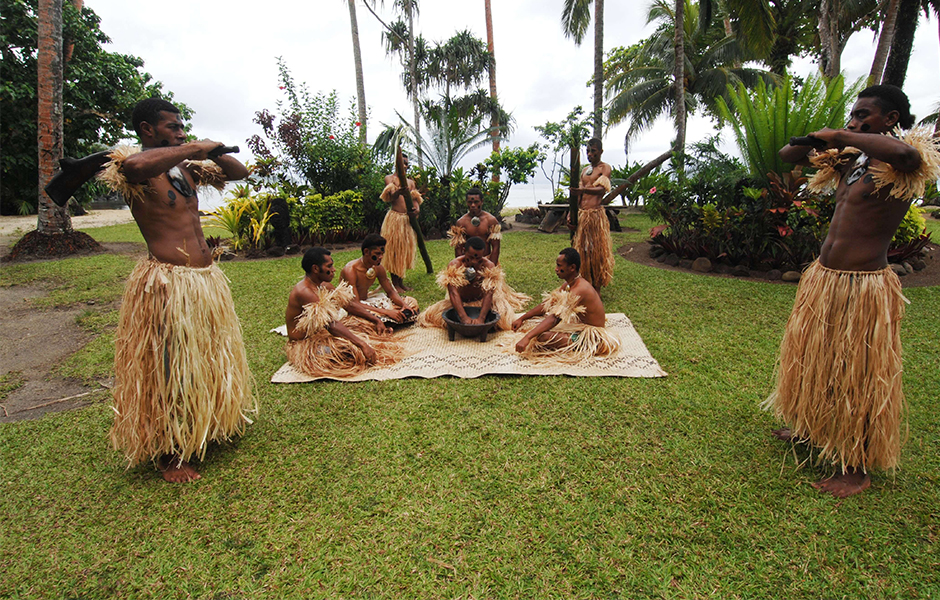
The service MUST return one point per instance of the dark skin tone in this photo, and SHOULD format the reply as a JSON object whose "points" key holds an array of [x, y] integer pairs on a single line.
{"points": [[356, 274], [399, 205], [591, 195], [863, 224], [169, 220], [308, 290], [473, 290], [588, 297], [482, 231]]}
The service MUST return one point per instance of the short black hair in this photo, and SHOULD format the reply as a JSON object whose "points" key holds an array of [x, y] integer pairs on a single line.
{"points": [[149, 111], [476, 242], [474, 191], [314, 256], [373, 240], [571, 256], [890, 97], [596, 142]]}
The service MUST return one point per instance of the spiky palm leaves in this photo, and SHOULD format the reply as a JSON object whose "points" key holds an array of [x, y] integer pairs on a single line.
{"points": [[765, 118]]}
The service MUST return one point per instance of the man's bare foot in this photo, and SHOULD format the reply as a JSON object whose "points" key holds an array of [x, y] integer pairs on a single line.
{"points": [[175, 470], [400, 284], [784, 434], [843, 485]]}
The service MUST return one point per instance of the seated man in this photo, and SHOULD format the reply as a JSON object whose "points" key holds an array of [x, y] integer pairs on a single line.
{"points": [[473, 280], [574, 326], [362, 272], [323, 339], [479, 223]]}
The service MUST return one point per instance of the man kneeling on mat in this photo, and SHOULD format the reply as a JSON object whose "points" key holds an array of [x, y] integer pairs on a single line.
{"points": [[574, 326]]}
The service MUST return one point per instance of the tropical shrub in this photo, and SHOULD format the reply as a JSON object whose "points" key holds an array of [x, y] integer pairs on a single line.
{"points": [[318, 219], [912, 226], [246, 218], [766, 118]]}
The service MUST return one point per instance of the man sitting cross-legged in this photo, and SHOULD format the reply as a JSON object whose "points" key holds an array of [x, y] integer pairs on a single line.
{"points": [[324, 340], [574, 326], [477, 222], [363, 272], [472, 280]]}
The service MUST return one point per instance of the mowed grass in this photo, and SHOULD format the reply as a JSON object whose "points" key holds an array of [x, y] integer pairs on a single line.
{"points": [[498, 487]]}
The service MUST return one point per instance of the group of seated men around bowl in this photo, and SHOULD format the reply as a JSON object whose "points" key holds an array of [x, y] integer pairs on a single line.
{"points": [[341, 330]]}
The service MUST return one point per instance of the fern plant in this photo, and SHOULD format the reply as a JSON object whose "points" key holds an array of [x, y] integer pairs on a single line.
{"points": [[764, 119]]}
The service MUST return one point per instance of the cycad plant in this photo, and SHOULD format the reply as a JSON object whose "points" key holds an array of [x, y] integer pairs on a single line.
{"points": [[765, 118]]}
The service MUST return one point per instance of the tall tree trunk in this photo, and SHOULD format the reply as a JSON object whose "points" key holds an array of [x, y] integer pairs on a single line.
{"points": [[829, 51], [494, 119], [598, 68], [360, 81], [679, 97], [413, 72], [52, 218], [884, 42], [903, 43]]}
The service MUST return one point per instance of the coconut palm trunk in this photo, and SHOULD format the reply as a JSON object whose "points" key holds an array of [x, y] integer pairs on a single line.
{"points": [[598, 69], [53, 219], [494, 121], [413, 72], [884, 42], [903, 43], [679, 84], [360, 80]]}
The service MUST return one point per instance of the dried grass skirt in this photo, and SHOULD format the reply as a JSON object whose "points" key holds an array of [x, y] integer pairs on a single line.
{"points": [[326, 355], [593, 242], [839, 370], [181, 376], [400, 243]]}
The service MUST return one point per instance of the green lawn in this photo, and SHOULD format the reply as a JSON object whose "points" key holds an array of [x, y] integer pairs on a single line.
{"points": [[499, 487]]}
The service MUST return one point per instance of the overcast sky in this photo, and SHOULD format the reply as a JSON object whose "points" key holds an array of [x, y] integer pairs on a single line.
{"points": [[218, 56]]}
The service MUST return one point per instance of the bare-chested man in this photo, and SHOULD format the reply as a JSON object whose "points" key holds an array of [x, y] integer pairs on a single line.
{"points": [[473, 280], [396, 228], [839, 372], [181, 375], [477, 222], [362, 273], [323, 340], [592, 238], [568, 334]]}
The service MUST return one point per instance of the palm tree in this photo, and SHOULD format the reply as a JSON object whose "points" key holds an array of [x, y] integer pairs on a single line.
{"points": [[400, 39], [360, 81], [641, 82], [903, 42], [838, 20], [575, 17], [494, 122], [53, 219]]}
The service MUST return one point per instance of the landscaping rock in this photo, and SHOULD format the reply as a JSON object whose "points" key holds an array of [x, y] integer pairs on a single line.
{"points": [[292, 249], [918, 264], [702, 265], [741, 271], [227, 256], [774, 274], [723, 268], [762, 267], [657, 251], [907, 267], [672, 260], [899, 269], [685, 263], [791, 276], [276, 251]]}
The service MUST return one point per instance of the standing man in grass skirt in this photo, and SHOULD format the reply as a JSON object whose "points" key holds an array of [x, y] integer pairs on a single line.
{"points": [[181, 377], [839, 371]]}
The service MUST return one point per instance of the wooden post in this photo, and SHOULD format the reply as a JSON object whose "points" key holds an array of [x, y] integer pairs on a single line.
{"points": [[575, 176]]}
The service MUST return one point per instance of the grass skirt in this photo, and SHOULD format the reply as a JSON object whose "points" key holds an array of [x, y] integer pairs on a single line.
{"points": [[590, 341], [506, 301], [839, 370], [593, 242], [181, 376], [326, 355], [401, 242]]}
